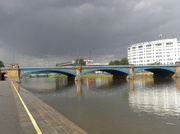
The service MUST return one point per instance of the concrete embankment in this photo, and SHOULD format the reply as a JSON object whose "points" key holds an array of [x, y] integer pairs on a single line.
{"points": [[23, 113]]}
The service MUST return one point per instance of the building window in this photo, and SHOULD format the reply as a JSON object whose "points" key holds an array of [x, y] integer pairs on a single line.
{"points": [[159, 50], [169, 59], [169, 43], [158, 56], [159, 44]]}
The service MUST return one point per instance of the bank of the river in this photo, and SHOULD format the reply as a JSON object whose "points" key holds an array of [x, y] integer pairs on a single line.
{"points": [[96, 76], [57, 76], [84, 76], [143, 73], [137, 75]]}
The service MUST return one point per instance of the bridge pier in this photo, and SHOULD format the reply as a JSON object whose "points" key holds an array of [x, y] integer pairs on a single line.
{"points": [[131, 74], [13, 72], [78, 73], [177, 74]]}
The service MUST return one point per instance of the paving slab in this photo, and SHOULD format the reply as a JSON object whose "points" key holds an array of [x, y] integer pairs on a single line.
{"points": [[14, 118], [9, 117], [48, 119]]}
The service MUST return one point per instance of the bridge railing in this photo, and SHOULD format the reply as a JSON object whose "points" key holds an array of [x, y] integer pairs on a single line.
{"points": [[47, 67]]}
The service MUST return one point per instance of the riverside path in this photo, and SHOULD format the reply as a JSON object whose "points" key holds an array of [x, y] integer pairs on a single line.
{"points": [[23, 113]]}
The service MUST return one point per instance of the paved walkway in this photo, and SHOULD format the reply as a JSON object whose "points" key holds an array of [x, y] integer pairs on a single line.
{"points": [[9, 119], [14, 118]]}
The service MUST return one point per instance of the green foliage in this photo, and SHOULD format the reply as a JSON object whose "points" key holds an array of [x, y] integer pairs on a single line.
{"points": [[111, 62], [80, 62], [1, 64], [123, 61], [116, 62]]}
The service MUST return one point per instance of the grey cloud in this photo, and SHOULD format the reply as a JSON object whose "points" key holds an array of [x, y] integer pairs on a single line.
{"points": [[55, 27]]}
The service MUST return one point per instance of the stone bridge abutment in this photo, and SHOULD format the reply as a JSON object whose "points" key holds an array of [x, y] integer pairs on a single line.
{"points": [[177, 74], [13, 72]]}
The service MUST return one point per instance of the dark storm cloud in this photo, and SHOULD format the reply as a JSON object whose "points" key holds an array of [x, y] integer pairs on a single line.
{"points": [[54, 27]]}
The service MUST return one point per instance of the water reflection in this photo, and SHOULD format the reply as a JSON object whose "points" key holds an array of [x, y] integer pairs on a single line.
{"points": [[160, 97], [155, 97], [45, 84], [79, 88], [99, 83], [145, 95], [104, 106], [177, 84]]}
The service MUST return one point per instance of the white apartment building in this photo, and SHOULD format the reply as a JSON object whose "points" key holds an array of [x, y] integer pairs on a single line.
{"points": [[165, 51]]}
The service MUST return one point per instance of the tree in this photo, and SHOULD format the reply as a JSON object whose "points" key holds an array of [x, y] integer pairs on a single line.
{"points": [[80, 62], [111, 62], [1, 64], [124, 61], [116, 62]]}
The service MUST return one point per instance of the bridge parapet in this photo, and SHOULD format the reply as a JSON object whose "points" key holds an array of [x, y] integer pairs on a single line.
{"points": [[13, 66]]}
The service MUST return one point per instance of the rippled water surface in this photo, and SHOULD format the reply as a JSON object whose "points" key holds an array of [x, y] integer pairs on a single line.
{"points": [[106, 106]]}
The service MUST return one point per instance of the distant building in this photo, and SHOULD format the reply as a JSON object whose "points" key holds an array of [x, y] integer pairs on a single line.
{"points": [[91, 62], [65, 64], [165, 51], [88, 62]]}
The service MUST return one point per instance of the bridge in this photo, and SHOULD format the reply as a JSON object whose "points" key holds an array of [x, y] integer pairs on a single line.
{"points": [[14, 71]]}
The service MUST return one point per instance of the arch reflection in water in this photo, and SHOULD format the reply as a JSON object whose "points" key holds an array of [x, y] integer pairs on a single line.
{"points": [[100, 83], [44, 84], [159, 99]]}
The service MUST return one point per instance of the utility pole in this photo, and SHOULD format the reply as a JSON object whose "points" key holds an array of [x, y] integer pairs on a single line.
{"points": [[78, 55], [14, 58], [90, 54]]}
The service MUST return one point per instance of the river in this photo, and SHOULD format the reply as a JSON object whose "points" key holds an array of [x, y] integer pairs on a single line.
{"points": [[107, 106]]}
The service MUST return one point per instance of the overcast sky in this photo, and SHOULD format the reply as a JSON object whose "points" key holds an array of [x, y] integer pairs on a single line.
{"points": [[46, 32]]}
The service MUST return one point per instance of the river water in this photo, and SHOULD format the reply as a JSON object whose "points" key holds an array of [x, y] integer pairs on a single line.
{"points": [[107, 106]]}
